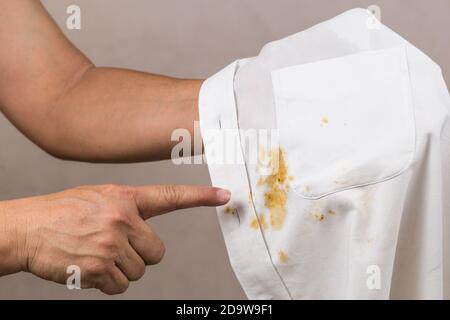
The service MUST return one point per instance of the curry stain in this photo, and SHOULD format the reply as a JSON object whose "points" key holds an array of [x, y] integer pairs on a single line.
{"points": [[260, 182], [314, 210], [259, 222], [307, 188], [250, 197], [254, 224], [229, 210], [267, 161], [275, 198], [282, 256], [324, 121], [332, 212]]}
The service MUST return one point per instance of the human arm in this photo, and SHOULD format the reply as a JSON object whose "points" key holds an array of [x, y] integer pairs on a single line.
{"points": [[100, 229], [74, 110]]}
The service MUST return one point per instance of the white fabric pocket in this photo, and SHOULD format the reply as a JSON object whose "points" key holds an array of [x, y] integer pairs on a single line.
{"points": [[345, 122]]}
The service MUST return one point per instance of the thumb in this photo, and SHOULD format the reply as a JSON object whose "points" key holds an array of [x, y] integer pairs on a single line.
{"points": [[155, 200]]}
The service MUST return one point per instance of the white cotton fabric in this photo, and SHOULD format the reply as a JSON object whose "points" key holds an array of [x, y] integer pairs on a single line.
{"points": [[362, 117]]}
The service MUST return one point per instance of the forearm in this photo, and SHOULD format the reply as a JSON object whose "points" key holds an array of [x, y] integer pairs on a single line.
{"points": [[114, 115]]}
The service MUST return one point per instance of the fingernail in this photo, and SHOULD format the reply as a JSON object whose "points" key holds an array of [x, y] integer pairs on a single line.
{"points": [[223, 195]]}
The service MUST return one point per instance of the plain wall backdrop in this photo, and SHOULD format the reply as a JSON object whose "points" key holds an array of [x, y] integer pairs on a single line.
{"points": [[185, 38]]}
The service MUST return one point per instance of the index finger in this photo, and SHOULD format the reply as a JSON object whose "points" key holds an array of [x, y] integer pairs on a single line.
{"points": [[159, 199]]}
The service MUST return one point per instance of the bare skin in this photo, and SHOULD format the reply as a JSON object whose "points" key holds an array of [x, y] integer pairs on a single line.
{"points": [[74, 110], [100, 229]]}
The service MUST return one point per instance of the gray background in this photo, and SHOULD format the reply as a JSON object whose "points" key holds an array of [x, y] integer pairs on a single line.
{"points": [[186, 38]]}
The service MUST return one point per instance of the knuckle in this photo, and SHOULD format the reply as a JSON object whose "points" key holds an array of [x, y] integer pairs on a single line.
{"points": [[95, 268], [111, 188], [122, 191], [172, 195], [108, 245], [118, 218], [86, 193]]}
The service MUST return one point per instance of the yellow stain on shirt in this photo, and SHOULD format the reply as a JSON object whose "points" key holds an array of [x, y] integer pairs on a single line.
{"points": [[275, 198], [282, 256], [250, 198], [259, 222], [229, 210], [315, 212], [324, 121], [332, 212]]}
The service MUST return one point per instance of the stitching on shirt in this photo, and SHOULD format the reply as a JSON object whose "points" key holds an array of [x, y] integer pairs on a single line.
{"points": [[253, 204]]}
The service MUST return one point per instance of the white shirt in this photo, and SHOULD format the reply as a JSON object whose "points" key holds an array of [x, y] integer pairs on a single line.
{"points": [[359, 207]]}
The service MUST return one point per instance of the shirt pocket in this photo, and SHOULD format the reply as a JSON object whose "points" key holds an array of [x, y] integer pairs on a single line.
{"points": [[345, 122]]}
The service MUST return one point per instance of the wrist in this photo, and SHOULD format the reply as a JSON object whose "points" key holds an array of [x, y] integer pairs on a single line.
{"points": [[12, 258]]}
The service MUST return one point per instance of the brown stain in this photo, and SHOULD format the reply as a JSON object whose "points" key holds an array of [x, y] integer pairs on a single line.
{"points": [[229, 210], [282, 256], [267, 161], [259, 222], [318, 212], [314, 211], [307, 188], [254, 224], [275, 198], [324, 121], [250, 198], [263, 223], [260, 182], [319, 216]]}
